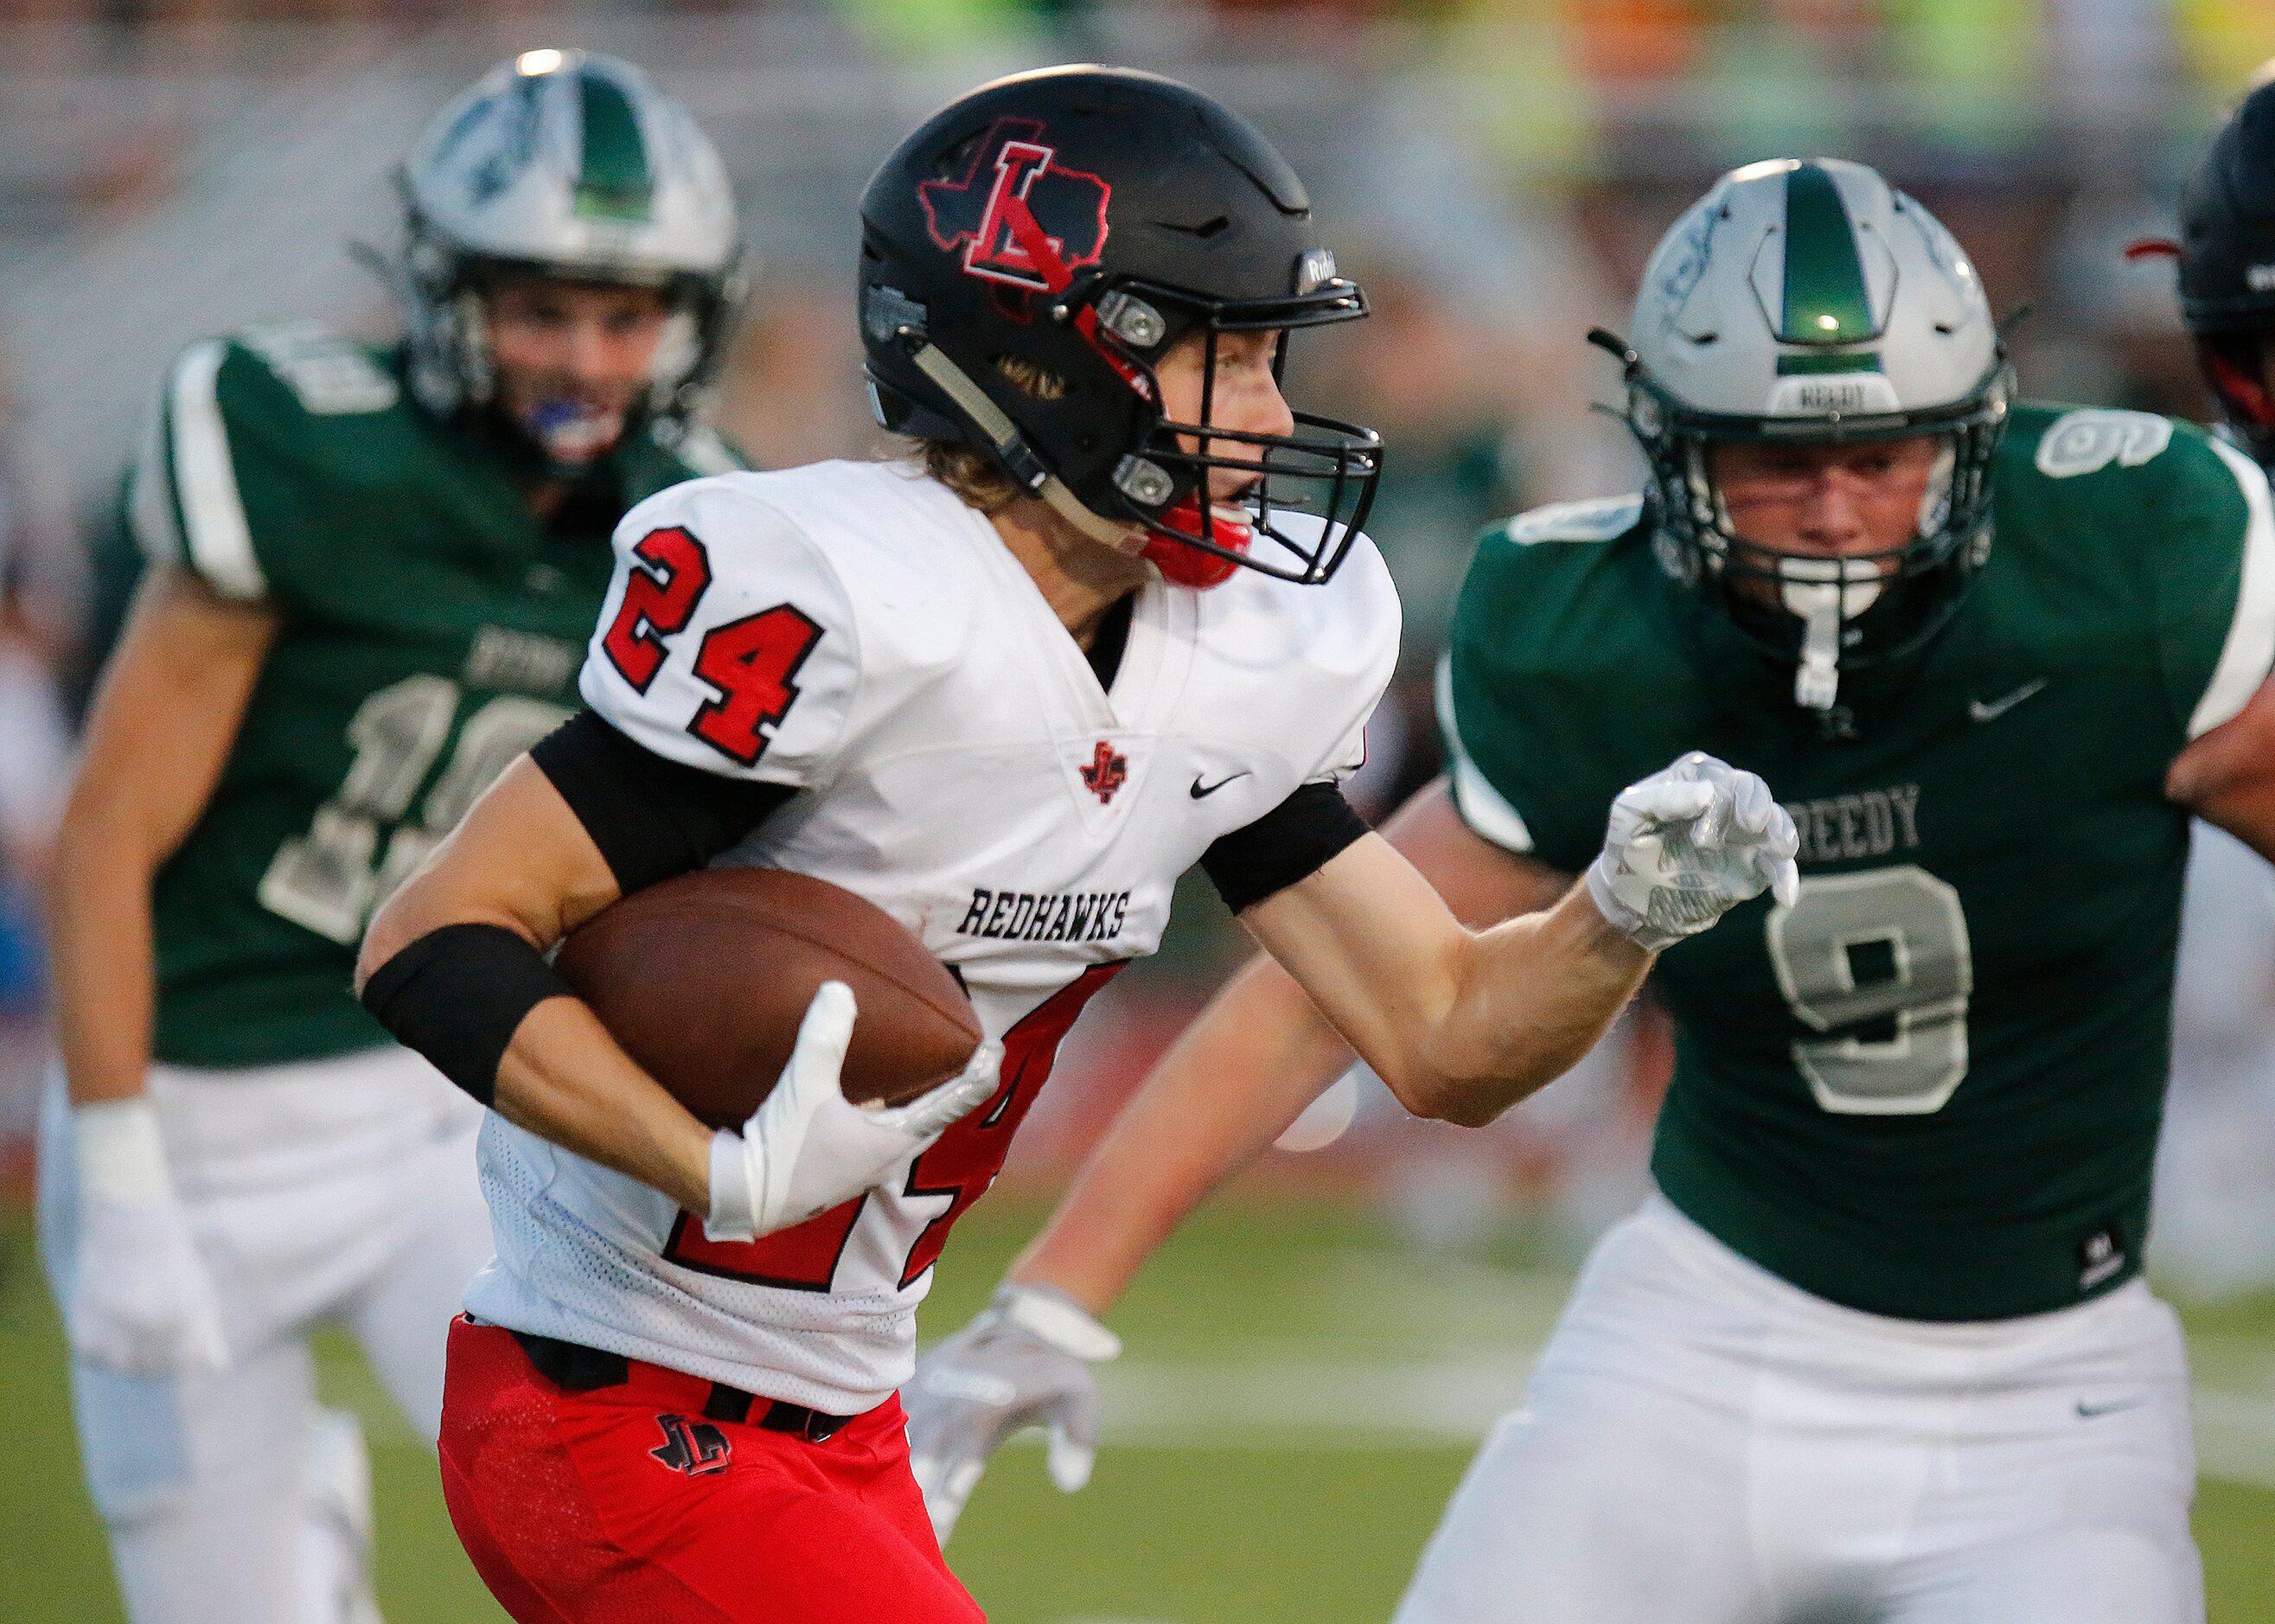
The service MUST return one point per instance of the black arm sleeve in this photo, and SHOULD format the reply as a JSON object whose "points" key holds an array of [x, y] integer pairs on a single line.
{"points": [[651, 817], [458, 994], [1292, 841]]}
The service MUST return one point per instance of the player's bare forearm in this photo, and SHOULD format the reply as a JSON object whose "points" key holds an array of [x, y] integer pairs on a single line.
{"points": [[1537, 993], [1459, 1025], [520, 860], [1243, 1071], [565, 1079], [100, 943], [159, 732], [1230, 1086], [2227, 776], [1467, 976]]}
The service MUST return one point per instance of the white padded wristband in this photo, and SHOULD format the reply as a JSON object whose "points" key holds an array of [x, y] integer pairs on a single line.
{"points": [[119, 1155], [734, 1214], [1050, 1316]]}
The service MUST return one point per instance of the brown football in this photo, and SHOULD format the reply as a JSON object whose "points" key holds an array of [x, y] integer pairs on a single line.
{"points": [[703, 980]]}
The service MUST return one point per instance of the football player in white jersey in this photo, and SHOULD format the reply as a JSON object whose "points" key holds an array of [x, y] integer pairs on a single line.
{"points": [[1009, 691]]}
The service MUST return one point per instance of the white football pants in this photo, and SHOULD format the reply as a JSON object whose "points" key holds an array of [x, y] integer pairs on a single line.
{"points": [[1705, 1443], [339, 1190]]}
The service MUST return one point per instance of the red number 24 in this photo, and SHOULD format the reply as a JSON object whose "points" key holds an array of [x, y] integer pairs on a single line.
{"points": [[961, 1164], [751, 662]]}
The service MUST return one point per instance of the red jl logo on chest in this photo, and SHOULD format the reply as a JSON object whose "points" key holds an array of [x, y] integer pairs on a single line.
{"points": [[1107, 772]]}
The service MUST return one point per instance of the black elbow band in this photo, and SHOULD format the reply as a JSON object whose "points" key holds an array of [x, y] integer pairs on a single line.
{"points": [[1292, 841], [458, 994]]}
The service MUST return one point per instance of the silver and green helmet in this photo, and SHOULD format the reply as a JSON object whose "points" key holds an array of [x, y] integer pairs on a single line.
{"points": [[1807, 301], [576, 167]]}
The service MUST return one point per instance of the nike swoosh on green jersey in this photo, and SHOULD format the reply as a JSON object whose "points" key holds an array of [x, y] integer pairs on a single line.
{"points": [[1990, 710]]}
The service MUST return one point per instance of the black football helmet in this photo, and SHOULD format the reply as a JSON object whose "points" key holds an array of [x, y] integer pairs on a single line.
{"points": [[2227, 269], [1075, 223]]}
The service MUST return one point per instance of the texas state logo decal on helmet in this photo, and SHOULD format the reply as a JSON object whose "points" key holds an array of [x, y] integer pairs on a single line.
{"points": [[1019, 216], [1034, 252]]}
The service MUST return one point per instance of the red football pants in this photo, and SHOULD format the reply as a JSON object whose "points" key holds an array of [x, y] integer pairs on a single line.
{"points": [[623, 1506]]}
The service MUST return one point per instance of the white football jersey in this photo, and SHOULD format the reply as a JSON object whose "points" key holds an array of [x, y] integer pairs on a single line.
{"points": [[856, 630]]}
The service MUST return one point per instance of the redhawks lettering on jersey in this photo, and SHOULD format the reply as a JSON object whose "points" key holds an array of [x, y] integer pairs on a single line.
{"points": [[1035, 224], [1025, 916], [943, 733]]}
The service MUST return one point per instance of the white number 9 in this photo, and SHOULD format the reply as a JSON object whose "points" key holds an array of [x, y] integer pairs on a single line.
{"points": [[1890, 945]]}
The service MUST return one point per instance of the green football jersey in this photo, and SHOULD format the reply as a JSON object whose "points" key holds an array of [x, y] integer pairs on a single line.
{"points": [[1931, 1087], [432, 629]]}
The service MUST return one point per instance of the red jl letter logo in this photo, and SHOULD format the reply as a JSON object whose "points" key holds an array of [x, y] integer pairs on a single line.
{"points": [[694, 1449], [1107, 772], [1037, 221]]}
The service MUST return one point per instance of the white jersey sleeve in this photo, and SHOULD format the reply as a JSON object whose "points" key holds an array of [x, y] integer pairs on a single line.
{"points": [[728, 642]]}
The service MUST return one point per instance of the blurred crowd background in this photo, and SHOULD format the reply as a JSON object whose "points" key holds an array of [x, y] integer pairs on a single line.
{"points": [[1494, 170]]}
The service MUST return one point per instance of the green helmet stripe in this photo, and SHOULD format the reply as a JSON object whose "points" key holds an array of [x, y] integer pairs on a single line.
{"points": [[1811, 365], [1824, 297], [615, 182]]}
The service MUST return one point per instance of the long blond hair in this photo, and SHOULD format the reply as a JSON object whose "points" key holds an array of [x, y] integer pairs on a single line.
{"points": [[971, 472]]}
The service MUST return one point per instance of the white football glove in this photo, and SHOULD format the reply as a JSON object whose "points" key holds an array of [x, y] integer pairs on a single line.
{"points": [[1024, 1362], [1687, 845], [807, 1147], [140, 1300]]}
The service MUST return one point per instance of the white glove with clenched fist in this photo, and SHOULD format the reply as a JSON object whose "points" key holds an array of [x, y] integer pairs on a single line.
{"points": [[1025, 1361], [1686, 845], [139, 1300], [807, 1147]]}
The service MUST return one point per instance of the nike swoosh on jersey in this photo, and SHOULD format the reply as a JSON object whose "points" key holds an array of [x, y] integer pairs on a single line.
{"points": [[1990, 710], [1200, 793], [2087, 1412]]}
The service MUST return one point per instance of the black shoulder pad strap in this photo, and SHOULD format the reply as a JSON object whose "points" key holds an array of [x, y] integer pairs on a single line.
{"points": [[651, 817]]}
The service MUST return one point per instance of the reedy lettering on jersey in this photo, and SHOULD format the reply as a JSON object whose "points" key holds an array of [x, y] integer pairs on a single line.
{"points": [[1046, 916], [522, 662], [1841, 828]]}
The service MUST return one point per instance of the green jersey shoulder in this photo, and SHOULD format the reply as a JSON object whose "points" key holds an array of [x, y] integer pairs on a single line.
{"points": [[1930, 1088], [2118, 534], [258, 438], [286, 399], [429, 628]]}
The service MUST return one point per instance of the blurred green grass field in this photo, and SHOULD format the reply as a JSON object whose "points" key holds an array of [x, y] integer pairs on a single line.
{"points": [[1294, 1408]]}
